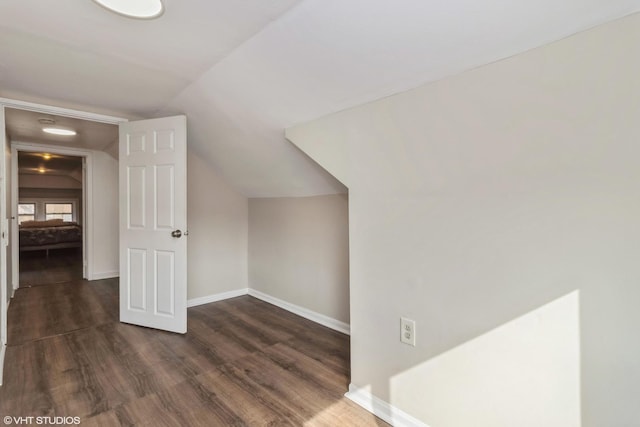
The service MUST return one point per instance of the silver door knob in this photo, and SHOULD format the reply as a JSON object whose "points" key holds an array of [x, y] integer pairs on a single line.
{"points": [[176, 233]]}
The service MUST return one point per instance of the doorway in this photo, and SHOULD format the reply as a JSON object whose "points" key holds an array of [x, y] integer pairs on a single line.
{"points": [[36, 204], [50, 218], [62, 167]]}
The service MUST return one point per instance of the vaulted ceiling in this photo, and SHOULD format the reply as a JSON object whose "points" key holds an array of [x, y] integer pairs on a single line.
{"points": [[244, 70]]}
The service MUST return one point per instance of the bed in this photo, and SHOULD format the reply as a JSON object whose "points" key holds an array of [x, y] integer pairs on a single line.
{"points": [[51, 234]]}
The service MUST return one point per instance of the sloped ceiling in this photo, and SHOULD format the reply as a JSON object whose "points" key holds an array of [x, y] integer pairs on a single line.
{"points": [[77, 52], [244, 70], [53, 164]]}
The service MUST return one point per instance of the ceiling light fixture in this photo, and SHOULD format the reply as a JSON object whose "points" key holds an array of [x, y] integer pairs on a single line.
{"points": [[59, 131], [140, 9], [46, 156], [41, 169]]}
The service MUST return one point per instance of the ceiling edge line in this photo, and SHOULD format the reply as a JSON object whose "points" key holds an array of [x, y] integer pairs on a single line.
{"points": [[60, 111]]}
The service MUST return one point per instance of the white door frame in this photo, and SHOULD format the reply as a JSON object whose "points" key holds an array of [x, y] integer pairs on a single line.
{"points": [[87, 200], [60, 111], [4, 228]]}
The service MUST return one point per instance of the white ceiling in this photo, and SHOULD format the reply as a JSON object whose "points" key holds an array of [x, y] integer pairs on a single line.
{"points": [[78, 52], [23, 126], [243, 71]]}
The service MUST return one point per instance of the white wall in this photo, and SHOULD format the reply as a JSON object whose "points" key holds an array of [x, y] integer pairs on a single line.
{"points": [[299, 252], [53, 193], [106, 229], [49, 181], [486, 196], [217, 216]]}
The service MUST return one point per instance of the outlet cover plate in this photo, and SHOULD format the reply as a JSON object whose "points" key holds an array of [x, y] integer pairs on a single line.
{"points": [[408, 331]]}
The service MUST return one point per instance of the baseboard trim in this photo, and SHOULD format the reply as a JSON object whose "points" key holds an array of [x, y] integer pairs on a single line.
{"points": [[3, 349], [105, 275], [216, 297], [295, 309], [382, 409], [327, 321]]}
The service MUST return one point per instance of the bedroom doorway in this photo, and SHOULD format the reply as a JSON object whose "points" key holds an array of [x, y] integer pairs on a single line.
{"points": [[50, 218], [50, 213], [95, 141]]}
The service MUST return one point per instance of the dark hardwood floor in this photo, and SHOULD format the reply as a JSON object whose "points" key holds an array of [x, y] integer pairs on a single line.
{"points": [[61, 265], [242, 362]]}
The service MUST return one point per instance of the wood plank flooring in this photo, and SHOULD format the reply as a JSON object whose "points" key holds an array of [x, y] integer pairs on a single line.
{"points": [[62, 265], [243, 362]]}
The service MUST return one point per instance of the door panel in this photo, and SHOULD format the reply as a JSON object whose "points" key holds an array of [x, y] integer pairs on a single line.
{"points": [[165, 283], [153, 280], [137, 264], [136, 188], [165, 197]]}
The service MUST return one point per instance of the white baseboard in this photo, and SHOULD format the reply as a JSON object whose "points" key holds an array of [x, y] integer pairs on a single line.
{"points": [[327, 321], [382, 409], [105, 275], [216, 297], [295, 309], [3, 349]]}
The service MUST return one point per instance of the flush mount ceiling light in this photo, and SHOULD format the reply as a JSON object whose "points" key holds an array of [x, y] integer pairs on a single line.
{"points": [[140, 9], [59, 131]]}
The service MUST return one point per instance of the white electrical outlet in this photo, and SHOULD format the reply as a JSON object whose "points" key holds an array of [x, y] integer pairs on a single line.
{"points": [[408, 331]]}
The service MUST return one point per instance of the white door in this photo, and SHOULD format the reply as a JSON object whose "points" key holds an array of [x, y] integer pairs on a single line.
{"points": [[153, 223]]}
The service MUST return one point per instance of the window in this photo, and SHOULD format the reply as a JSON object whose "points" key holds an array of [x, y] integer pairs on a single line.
{"points": [[62, 211], [26, 212], [41, 209]]}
